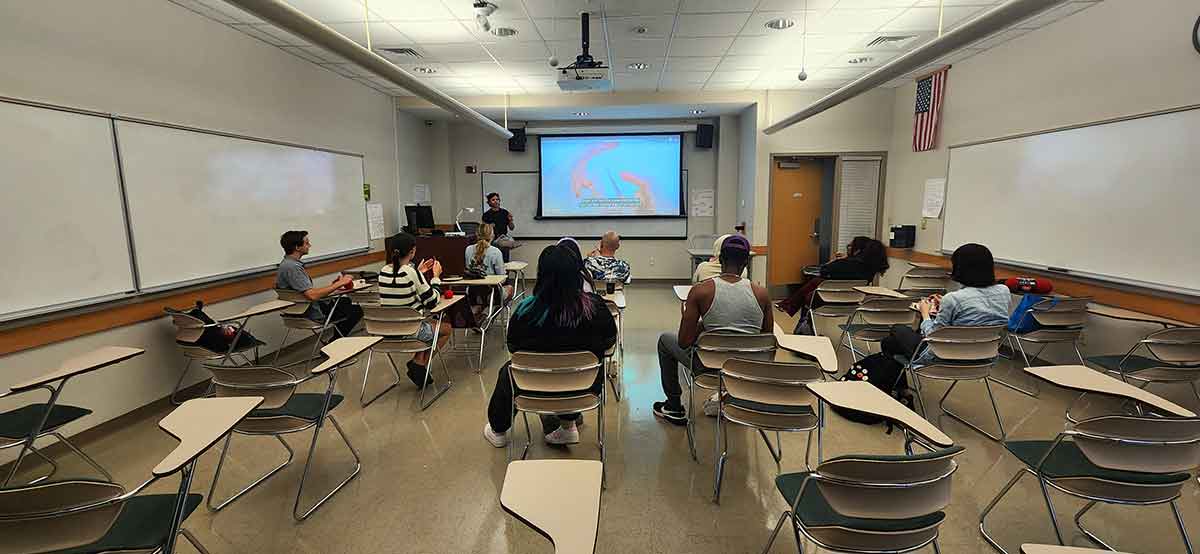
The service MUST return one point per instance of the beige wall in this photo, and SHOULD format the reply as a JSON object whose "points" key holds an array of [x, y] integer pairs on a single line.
{"points": [[651, 259], [156, 60], [1114, 59]]}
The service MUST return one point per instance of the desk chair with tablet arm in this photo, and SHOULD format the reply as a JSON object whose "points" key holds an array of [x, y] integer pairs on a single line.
{"points": [[960, 354], [708, 356], [1061, 320], [294, 320], [1173, 357]]}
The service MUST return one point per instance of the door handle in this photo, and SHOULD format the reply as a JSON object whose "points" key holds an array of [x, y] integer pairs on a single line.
{"points": [[816, 229]]}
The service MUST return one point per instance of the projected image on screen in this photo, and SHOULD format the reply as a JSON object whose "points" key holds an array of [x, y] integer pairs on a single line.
{"points": [[610, 176]]}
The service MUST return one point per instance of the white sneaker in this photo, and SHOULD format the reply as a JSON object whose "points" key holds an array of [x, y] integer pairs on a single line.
{"points": [[498, 440], [564, 435], [711, 407]]}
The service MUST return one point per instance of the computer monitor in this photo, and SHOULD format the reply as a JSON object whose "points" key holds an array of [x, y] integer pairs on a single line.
{"points": [[419, 217]]}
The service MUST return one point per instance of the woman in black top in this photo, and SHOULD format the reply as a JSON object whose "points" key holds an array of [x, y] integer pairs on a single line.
{"points": [[558, 317], [865, 259]]}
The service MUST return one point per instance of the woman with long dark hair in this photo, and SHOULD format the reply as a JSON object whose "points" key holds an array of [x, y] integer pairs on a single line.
{"points": [[403, 285], [865, 259], [558, 317]]}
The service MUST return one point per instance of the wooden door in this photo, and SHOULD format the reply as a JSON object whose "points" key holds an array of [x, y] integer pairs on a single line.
{"points": [[794, 215]]}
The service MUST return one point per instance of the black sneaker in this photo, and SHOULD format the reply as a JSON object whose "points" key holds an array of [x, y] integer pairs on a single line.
{"points": [[416, 373], [673, 415]]}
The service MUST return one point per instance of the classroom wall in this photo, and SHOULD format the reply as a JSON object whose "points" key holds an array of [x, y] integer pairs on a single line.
{"points": [[156, 60], [1113, 59], [652, 259]]}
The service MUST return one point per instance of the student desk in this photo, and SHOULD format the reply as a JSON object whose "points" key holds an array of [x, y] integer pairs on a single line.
{"points": [[617, 298], [558, 498], [1122, 314], [820, 348], [681, 291], [880, 291], [865, 397], [494, 283], [924, 265], [1088, 380]]}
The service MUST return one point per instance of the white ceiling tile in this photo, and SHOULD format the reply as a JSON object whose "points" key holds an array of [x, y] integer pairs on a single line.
{"points": [[686, 76], [622, 65], [710, 25], [639, 7], [867, 4], [641, 49], [713, 6], [439, 69], [732, 63], [637, 27], [926, 19], [635, 81], [434, 31], [560, 8], [687, 63], [830, 42], [382, 34], [778, 75], [203, 9], [327, 11], [876, 59], [476, 69], [408, 10], [455, 52], [233, 12], [738, 76], [1054, 14], [518, 51], [727, 85], [714, 46], [795, 5], [567, 28], [999, 38], [448, 82], [828, 73], [529, 68], [524, 27], [676, 86], [566, 50], [852, 21], [935, 3], [757, 24]]}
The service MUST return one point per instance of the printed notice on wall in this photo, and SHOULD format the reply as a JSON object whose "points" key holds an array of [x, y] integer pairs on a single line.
{"points": [[935, 196], [421, 193], [375, 220], [702, 203]]}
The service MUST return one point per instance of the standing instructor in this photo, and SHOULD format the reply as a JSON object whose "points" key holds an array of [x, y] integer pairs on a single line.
{"points": [[501, 221]]}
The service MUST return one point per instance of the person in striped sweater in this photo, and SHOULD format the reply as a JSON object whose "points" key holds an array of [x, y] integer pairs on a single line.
{"points": [[403, 285]]}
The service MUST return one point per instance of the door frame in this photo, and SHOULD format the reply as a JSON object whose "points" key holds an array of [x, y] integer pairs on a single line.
{"points": [[837, 187]]}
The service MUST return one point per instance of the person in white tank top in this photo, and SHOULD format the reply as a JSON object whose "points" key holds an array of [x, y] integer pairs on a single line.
{"points": [[727, 303]]}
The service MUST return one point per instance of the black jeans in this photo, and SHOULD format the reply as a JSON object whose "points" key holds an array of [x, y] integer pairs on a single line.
{"points": [[670, 357], [500, 407], [345, 311]]}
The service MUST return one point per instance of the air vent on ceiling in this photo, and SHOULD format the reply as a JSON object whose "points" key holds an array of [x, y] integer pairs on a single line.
{"points": [[889, 42], [404, 52]]}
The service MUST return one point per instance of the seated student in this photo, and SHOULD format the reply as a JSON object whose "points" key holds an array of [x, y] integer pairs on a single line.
{"points": [[558, 317], [727, 303], [865, 259], [292, 275], [602, 263], [485, 257], [405, 286], [980, 302], [572, 247], [711, 268]]}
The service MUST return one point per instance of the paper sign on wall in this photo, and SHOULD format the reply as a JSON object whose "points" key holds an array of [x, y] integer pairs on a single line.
{"points": [[935, 197], [421, 193], [703, 203], [375, 220]]}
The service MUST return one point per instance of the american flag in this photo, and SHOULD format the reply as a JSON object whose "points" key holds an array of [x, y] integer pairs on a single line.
{"points": [[930, 92]]}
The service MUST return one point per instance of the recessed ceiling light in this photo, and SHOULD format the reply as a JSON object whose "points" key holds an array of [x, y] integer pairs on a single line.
{"points": [[860, 59], [780, 23], [504, 31], [425, 70], [582, 114], [697, 111], [638, 66]]}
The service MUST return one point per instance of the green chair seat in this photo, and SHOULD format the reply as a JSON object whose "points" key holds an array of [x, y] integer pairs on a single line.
{"points": [[144, 524], [17, 424], [303, 405], [814, 511], [1068, 461], [1134, 364], [761, 407]]}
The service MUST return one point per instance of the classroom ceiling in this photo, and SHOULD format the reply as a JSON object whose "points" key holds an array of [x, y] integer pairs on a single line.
{"points": [[652, 45]]}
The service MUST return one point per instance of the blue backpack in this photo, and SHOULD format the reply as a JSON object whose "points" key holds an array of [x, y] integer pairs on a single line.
{"points": [[1021, 321]]}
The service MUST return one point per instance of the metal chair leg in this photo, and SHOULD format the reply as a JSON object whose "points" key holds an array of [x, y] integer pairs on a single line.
{"points": [[307, 464], [282, 344], [439, 390], [528, 435], [175, 401], [992, 504], [367, 373], [691, 419], [1035, 390], [787, 514], [721, 448], [221, 463], [963, 420], [1187, 543], [193, 541], [85, 457], [603, 452], [1050, 509], [1088, 532]]}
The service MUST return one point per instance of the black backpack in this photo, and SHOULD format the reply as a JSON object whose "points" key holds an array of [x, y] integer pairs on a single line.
{"points": [[213, 338], [887, 374]]}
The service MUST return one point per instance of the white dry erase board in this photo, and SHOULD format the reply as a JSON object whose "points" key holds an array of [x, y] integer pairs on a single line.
{"points": [[1116, 201]]}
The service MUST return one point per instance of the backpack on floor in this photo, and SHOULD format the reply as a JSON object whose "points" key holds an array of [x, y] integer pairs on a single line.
{"points": [[887, 374]]}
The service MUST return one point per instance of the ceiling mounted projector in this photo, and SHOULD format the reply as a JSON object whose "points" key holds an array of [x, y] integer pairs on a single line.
{"points": [[586, 73]]}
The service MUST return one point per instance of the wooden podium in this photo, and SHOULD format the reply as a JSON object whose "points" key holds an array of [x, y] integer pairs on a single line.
{"points": [[451, 251]]}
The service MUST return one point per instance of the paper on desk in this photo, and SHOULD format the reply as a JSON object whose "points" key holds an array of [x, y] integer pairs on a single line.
{"points": [[702, 203], [375, 220], [935, 196]]}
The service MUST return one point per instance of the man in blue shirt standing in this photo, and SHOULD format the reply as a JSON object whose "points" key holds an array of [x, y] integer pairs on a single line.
{"points": [[293, 276]]}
